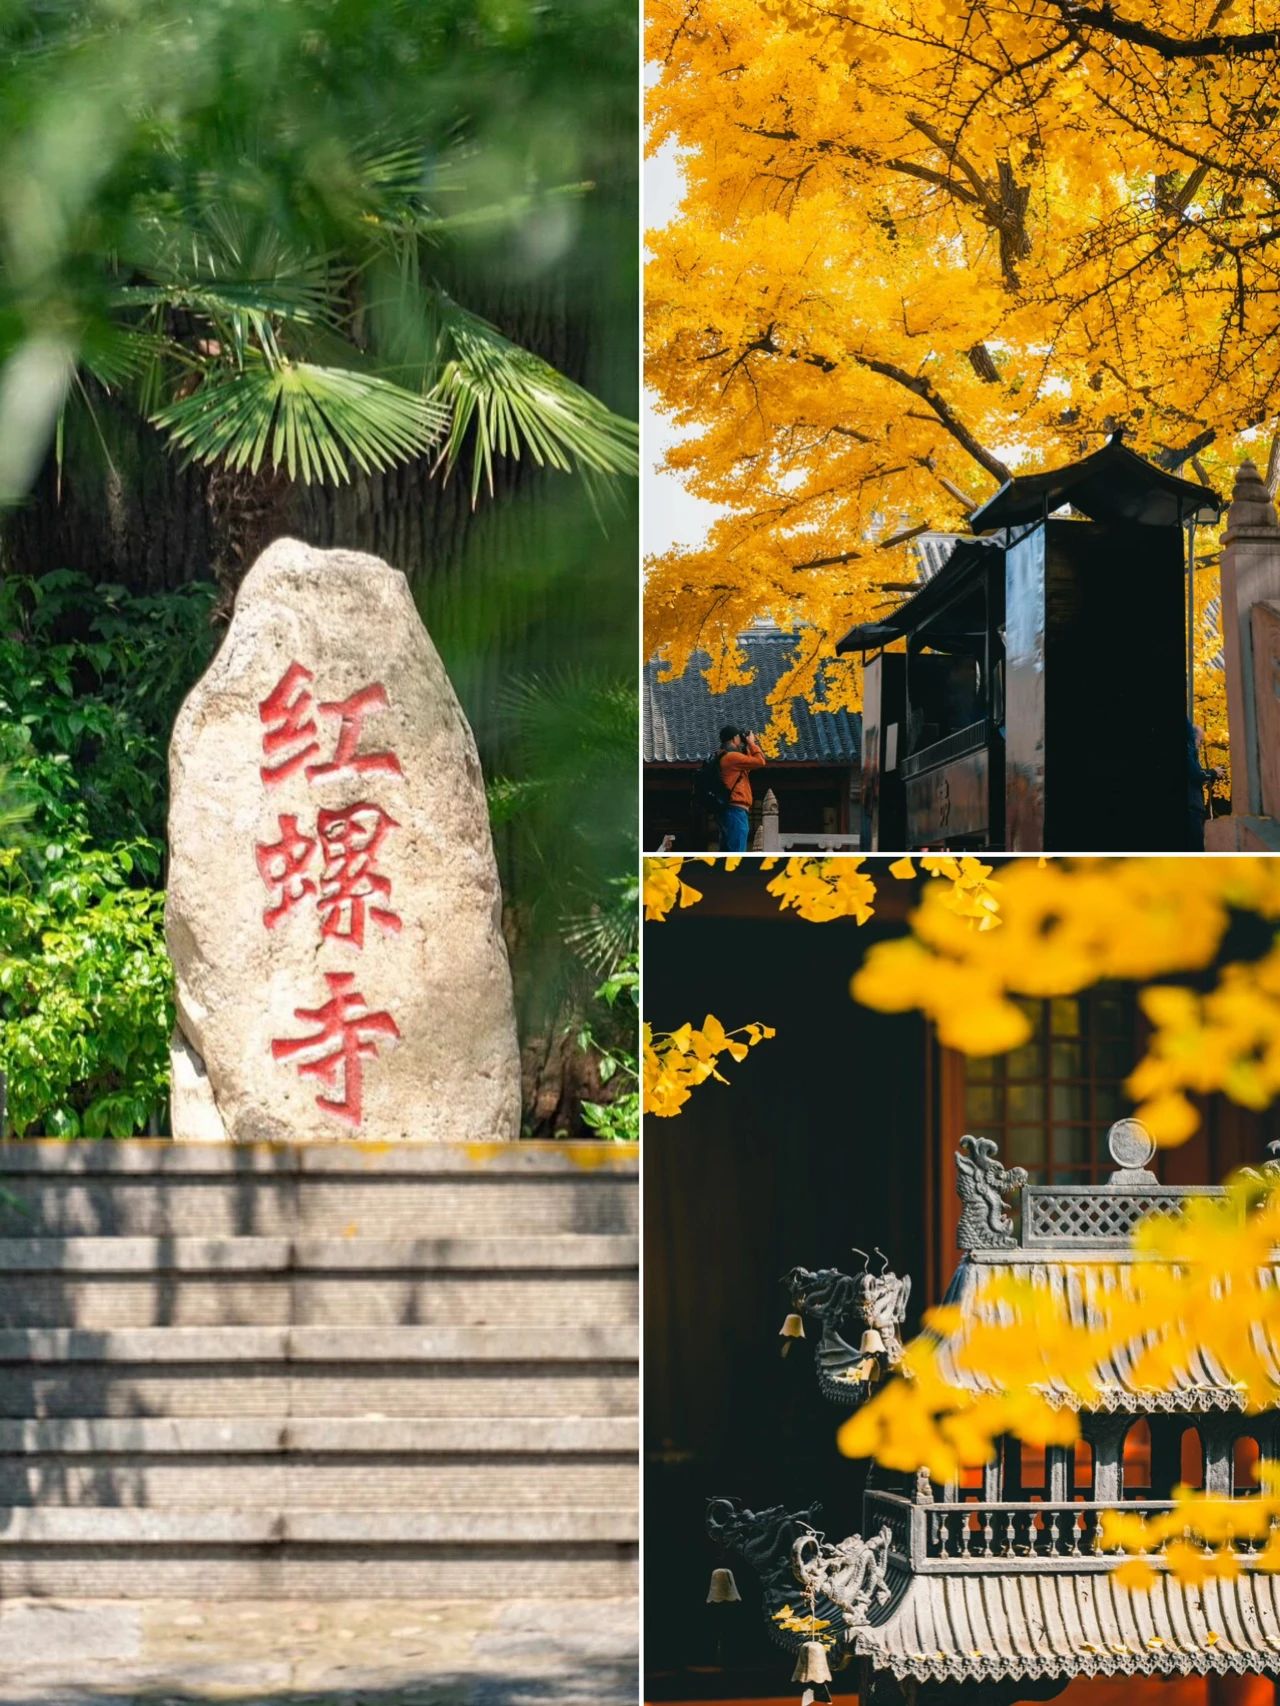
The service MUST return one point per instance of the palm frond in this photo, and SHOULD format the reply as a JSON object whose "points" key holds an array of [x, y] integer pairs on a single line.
{"points": [[312, 421], [220, 261], [572, 725], [300, 298], [117, 355], [517, 402], [426, 221], [608, 931]]}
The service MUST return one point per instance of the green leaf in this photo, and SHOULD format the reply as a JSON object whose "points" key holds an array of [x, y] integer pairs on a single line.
{"points": [[517, 402], [312, 421]]}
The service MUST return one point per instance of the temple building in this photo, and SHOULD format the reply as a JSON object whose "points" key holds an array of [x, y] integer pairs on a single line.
{"points": [[1041, 669], [995, 1587]]}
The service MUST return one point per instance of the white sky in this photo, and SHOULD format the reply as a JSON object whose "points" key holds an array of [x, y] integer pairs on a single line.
{"points": [[670, 515]]}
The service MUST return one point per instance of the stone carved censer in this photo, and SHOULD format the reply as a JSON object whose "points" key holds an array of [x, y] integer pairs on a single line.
{"points": [[333, 910], [1000, 1593]]}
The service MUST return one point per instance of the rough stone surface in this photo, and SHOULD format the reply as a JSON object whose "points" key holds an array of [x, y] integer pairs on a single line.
{"points": [[1265, 633], [333, 909], [337, 1653]]}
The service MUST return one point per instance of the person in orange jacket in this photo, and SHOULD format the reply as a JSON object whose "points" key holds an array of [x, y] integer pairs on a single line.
{"points": [[740, 754]]}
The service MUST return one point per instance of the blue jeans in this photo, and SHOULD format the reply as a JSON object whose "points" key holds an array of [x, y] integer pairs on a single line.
{"points": [[733, 829]]}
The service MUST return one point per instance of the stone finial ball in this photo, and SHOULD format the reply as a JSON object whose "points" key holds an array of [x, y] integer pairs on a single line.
{"points": [[1130, 1143]]}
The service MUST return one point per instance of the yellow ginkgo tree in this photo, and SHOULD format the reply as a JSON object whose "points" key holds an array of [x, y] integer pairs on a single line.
{"points": [[924, 244]]}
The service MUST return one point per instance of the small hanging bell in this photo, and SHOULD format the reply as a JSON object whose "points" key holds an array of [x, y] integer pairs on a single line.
{"points": [[791, 1328], [866, 1370], [811, 1664], [723, 1589], [871, 1340]]}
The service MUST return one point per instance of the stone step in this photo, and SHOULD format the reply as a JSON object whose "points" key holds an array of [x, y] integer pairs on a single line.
{"points": [[302, 1482], [317, 1371], [346, 1345], [306, 1572], [269, 1553], [319, 1390], [161, 1189], [352, 1256], [152, 1436], [198, 1282], [468, 1464], [266, 1527]]}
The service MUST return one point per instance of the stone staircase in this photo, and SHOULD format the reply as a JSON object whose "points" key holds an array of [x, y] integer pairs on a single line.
{"points": [[317, 1371]]}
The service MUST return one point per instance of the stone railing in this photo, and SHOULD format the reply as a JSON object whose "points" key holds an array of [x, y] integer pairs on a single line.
{"points": [[1056, 1216], [1029, 1535], [770, 837]]}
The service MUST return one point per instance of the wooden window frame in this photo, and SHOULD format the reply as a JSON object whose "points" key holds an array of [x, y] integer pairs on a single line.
{"points": [[946, 1081]]}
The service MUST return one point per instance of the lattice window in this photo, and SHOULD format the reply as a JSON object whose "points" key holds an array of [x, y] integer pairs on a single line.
{"points": [[1049, 1103]]}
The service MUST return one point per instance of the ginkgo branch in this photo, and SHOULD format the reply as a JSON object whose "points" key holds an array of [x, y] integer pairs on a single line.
{"points": [[1106, 19]]}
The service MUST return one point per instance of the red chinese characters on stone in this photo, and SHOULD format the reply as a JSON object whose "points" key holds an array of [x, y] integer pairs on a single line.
{"points": [[338, 865], [346, 758], [282, 865], [350, 883], [336, 1052], [289, 713]]}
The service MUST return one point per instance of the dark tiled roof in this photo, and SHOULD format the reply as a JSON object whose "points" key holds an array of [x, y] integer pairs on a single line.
{"points": [[683, 718], [1113, 484]]}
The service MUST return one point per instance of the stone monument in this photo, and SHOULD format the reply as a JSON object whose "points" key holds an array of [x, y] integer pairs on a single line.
{"points": [[333, 911], [1251, 642]]}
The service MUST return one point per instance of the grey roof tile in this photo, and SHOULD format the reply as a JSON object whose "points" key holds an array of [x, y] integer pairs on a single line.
{"points": [[682, 718]]}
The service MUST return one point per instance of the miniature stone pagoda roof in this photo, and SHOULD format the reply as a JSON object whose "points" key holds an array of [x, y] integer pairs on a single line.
{"points": [[978, 1591], [1080, 1283], [983, 1626], [1074, 1241]]}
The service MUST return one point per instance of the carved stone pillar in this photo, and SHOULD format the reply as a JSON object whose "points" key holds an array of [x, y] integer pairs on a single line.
{"points": [[769, 836], [1057, 1469], [1106, 1435], [1250, 574], [1218, 1438]]}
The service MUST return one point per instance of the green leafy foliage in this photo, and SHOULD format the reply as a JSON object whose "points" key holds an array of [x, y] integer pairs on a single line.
{"points": [[242, 218], [85, 1009], [90, 679], [618, 1119], [568, 811]]}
